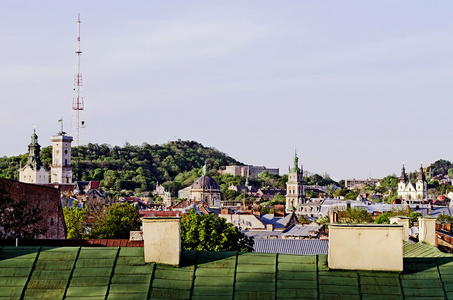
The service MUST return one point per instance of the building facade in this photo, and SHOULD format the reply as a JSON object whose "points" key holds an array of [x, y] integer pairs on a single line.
{"points": [[250, 170], [409, 191], [61, 170], [295, 192], [206, 189], [34, 171], [350, 183]]}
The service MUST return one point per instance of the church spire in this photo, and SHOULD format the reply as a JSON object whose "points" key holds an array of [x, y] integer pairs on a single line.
{"points": [[403, 177], [421, 174], [34, 155], [295, 168]]}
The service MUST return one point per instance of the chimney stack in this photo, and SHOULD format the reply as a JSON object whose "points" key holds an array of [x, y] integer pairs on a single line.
{"points": [[162, 240]]}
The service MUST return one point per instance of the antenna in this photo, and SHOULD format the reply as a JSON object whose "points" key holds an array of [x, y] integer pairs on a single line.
{"points": [[78, 124]]}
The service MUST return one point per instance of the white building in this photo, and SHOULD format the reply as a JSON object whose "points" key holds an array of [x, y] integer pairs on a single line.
{"points": [[34, 171], [250, 170], [295, 191], [61, 170], [409, 191]]}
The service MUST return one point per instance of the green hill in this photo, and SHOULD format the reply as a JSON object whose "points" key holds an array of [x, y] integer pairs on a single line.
{"points": [[136, 168]]}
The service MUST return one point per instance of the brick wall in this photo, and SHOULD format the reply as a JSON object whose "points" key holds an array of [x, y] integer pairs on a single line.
{"points": [[48, 200]]}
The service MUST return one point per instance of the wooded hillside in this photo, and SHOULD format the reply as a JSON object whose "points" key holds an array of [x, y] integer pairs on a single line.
{"points": [[136, 168]]}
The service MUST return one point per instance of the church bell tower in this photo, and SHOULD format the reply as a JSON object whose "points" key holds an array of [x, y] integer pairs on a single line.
{"points": [[295, 191], [61, 158]]}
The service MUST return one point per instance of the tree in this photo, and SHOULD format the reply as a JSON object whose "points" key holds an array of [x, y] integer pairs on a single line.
{"points": [[278, 199], [18, 219], [74, 219], [389, 182], [444, 218], [116, 222], [383, 219], [212, 233], [303, 220], [354, 215]]}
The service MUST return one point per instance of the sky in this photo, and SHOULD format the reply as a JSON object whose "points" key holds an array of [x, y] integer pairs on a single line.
{"points": [[357, 87]]}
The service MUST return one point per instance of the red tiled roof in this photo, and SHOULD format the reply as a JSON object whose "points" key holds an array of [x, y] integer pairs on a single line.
{"points": [[159, 213]]}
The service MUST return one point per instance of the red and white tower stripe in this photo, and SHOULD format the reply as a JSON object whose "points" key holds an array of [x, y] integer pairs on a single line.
{"points": [[78, 124]]}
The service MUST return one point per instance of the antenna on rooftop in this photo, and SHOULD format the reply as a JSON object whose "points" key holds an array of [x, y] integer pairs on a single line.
{"points": [[78, 124]]}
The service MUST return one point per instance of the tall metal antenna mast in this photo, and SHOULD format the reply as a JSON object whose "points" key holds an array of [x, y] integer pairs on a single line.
{"points": [[78, 124]]}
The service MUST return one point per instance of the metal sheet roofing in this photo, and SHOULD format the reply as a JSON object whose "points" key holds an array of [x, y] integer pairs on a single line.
{"points": [[286, 246], [411, 249], [302, 230], [120, 273]]}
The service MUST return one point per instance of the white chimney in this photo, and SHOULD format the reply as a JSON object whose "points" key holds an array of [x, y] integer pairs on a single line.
{"points": [[427, 230], [402, 221], [366, 247], [162, 240]]}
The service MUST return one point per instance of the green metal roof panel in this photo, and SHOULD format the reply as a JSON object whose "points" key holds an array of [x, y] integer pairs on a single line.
{"points": [[263, 277], [283, 266], [88, 291], [249, 268], [221, 263], [95, 263], [64, 265], [422, 250], [285, 275], [126, 288], [299, 259], [211, 272], [257, 258], [88, 253], [130, 260], [208, 291], [134, 278], [89, 281], [207, 275], [15, 272], [94, 272], [250, 295], [132, 296], [169, 294], [11, 291], [297, 294], [57, 255], [131, 251], [44, 293], [379, 297], [47, 284]]}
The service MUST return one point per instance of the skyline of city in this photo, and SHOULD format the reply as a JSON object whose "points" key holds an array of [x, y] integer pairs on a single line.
{"points": [[357, 88]]}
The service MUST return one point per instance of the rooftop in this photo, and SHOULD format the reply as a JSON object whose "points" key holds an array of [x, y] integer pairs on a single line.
{"points": [[120, 273]]}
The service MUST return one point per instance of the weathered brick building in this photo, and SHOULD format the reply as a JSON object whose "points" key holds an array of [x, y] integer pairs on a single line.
{"points": [[48, 200]]}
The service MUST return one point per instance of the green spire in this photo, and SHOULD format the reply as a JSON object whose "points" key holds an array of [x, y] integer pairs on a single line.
{"points": [[34, 149], [204, 169], [295, 168]]}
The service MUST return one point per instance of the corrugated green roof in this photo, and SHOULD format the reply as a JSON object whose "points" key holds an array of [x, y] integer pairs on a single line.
{"points": [[422, 250], [121, 273]]}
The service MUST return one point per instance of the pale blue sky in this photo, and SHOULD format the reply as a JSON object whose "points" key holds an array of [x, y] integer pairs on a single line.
{"points": [[357, 86]]}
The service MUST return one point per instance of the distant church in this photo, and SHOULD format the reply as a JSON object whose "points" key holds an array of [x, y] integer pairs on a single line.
{"points": [[409, 191], [61, 168], [295, 191], [34, 171]]}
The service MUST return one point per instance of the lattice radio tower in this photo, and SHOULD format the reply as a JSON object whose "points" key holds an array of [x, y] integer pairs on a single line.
{"points": [[78, 124]]}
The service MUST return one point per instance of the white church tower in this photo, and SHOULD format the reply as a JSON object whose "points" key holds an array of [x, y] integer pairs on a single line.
{"points": [[295, 191], [61, 158], [409, 191], [34, 171]]}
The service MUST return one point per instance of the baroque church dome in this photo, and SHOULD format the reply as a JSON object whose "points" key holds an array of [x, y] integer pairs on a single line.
{"points": [[205, 182]]}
